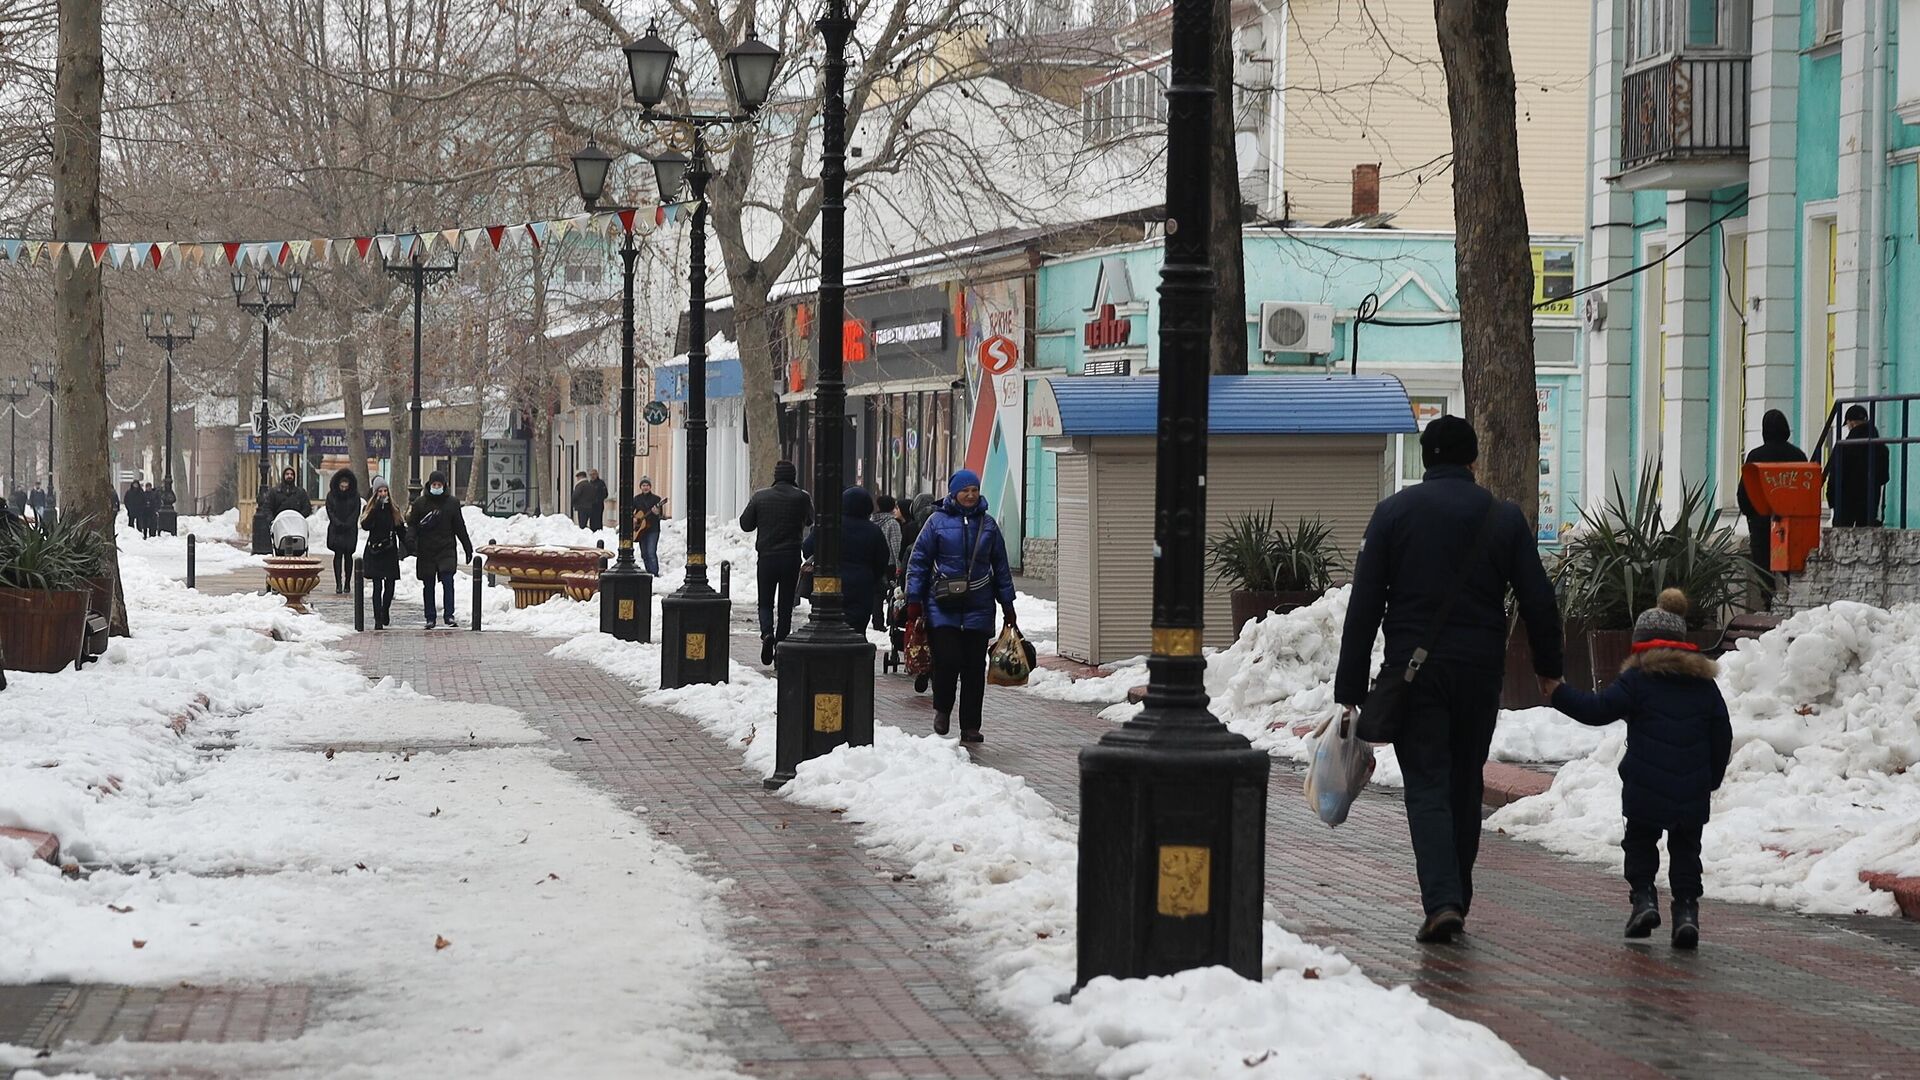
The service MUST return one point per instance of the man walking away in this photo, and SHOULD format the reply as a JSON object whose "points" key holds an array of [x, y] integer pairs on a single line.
{"points": [[596, 501], [136, 504], [1423, 544], [779, 516], [582, 495], [1857, 473], [1776, 445]]}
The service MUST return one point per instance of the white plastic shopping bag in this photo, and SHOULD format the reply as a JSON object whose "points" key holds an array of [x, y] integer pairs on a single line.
{"points": [[1342, 764]]}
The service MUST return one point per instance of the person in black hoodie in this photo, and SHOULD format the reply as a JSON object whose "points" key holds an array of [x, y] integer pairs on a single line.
{"points": [[596, 501], [136, 503], [779, 515], [343, 534], [863, 557], [437, 526], [1776, 446], [1419, 550], [288, 495], [1857, 473], [386, 535]]}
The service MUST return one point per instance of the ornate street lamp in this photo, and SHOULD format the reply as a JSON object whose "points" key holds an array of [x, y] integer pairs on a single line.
{"points": [[693, 621], [47, 382], [418, 274], [825, 669], [15, 392], [1172, 804], [167, 517], [626, 593], [266, 309]]}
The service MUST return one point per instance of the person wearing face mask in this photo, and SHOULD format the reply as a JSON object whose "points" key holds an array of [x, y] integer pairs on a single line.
{"points": [[343, 508], [288, 495], [381, 563], [438, 528]]}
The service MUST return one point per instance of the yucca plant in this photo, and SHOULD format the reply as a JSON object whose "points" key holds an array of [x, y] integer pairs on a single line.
{"points": [[61, 556], [1306, 558], [1253, 553], [1615, 566]]}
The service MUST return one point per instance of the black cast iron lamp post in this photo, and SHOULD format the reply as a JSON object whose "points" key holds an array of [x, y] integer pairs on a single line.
{"points": [[15, 392], [419, 274], [693, 620], [1172, 804], [825, 669], [167, 517], [266, 309], [626, 593], [48, 383]]}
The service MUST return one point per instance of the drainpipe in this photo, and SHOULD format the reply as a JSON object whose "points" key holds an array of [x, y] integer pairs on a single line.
{"points": [[1877, 365]]}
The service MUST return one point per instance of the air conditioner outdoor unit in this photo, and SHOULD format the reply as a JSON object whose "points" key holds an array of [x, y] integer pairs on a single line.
{"points": [[1289, 327]]}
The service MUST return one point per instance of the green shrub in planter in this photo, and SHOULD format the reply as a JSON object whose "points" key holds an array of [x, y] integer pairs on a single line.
{"points": [[61, 556], [1254, 554], [1612, 568]]}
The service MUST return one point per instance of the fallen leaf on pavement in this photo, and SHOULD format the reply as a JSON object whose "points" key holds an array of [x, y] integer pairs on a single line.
{"points": [[138, 944], [440, 943], [118, 910], [329, 753]]}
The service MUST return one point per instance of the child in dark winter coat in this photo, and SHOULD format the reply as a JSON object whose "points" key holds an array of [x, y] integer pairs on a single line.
{"points": [[1678, 743]]}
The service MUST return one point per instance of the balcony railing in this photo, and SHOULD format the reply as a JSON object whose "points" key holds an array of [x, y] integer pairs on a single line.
{"points": [[1686, 108]]}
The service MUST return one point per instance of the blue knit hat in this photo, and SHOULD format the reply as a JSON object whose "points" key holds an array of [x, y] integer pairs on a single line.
{"points": [[962, 480]]}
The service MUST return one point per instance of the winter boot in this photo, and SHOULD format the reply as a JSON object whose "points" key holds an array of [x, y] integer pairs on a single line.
{"points": [[972, 735], [766, 651], [1646, 914], [942, 723], [1686, 924], [1441, 926]]}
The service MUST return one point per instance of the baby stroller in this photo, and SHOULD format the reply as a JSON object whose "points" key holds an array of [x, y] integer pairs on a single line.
{"points": [[896, 609]]}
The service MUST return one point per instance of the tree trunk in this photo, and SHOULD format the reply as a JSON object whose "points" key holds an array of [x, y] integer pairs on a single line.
{"points": [[761, 388], [353, 403], [1492, 260], [1229, 339], [86, 489]]}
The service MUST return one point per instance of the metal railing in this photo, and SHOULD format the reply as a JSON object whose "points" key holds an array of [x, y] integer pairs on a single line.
{"points": [[1685, 107], [1878, 469]]}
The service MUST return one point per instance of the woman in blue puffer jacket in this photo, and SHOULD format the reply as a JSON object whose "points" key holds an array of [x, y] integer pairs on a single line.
{"points": [[960, 544]]}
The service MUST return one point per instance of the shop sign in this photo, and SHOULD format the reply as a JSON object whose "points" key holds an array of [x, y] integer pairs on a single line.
{"points": [[907, 333], [1109, 330], [999, 355], [1043, 410], [1107, 367]]}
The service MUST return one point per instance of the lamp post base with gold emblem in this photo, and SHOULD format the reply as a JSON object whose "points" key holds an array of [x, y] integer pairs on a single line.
{"points": [[693, 638]]}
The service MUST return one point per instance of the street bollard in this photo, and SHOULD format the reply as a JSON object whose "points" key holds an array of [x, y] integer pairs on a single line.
{"points": [[189, 560], [478, 562], [359, 595], [726, 577]]}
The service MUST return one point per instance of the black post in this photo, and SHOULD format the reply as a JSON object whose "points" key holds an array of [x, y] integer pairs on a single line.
{"points": [[263, 521], [359, 594], [479, 563], [693, 620], [190, 558], [1172, 804], [726, 577], [826, 668], [413, 436], [625, 604], [167, 517]]}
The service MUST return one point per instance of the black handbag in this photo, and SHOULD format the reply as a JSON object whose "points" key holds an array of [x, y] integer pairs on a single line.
{"points": [[953, 592], [1384, 710]]}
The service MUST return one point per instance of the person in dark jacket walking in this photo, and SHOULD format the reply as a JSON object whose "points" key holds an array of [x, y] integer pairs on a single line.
{"points": [[596, 501], [135, 501], [1776, 446], [649, 511], [1678, 742], [863, 557], [343, 534], [886, 514], [1857, 473], [437, 526], [386, 539], [582, 498], [288, 495], [37, 500], [779, 516], [1419, 546], [960, 543]]}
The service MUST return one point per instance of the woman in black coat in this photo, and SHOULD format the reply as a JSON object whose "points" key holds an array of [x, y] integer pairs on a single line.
{"points": [[438, 527], [386, 536], [136, 504], [343, 534], [863, 557]]}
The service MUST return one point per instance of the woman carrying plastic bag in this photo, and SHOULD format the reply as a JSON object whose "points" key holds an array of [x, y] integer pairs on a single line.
{"points": [[1342, 764]]}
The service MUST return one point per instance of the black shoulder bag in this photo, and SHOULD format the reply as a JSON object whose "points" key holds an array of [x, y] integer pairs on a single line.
{"points": [[952, 592], [1382, 714]]}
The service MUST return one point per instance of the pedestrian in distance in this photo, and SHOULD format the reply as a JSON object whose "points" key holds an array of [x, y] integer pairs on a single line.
{"points": [[386, 541], [1857, 472], [135, 501], [437, 526], [649, 511], [37, 500], [1678, 743], [582, 495], [596, 501], [150, 509], [957, 574], [1434, 570], [778, 517], [917, 514], [886, 514], [863, 557], [288, 495], [1776, 445], [343, 535]]}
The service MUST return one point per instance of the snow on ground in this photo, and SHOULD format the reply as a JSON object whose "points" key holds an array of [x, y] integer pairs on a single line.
{"points": [[1826, 730], [259, 860], [1004, 860]]}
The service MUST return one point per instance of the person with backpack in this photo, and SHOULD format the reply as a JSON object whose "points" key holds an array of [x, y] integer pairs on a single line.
{"points": [[343, 533], [1679, 740], [437, 526], [956, 576]]}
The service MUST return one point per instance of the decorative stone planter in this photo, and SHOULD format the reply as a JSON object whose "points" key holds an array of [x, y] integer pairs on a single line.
{"points": [[537, 574], [293, 577], [581, 585]]}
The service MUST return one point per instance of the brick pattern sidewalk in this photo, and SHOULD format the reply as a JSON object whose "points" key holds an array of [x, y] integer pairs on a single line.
{"points": [[854, 976]]}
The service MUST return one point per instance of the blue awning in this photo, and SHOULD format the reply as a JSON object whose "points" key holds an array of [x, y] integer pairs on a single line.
{"points": [[1237, 405]]}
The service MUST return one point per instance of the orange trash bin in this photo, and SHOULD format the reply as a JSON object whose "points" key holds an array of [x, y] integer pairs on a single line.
{"points": [[1787, 492]]}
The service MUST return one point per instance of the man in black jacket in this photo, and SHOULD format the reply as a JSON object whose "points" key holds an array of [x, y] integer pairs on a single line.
{"points": [[596, 501], [779, 515], [1857, 472], [1776, 445], [1420, 543]]}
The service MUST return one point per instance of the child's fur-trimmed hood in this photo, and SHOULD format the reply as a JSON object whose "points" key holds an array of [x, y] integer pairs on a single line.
{"points": [[1673, 662]]}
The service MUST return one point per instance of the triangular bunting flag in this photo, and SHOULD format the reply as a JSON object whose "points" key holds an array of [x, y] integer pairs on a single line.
{"points": [[232, 251], [450, 239], [626, 220], [387, 242], [99, 252], [34, 248], [160, 252], [142, 253], [318, 247], [660, 215], [190, 254], [557, 229], [423, 244], [537, 232], [470, 238], [285, 251], [361, 244], [494, 235], [582, 222], [13, 248]]}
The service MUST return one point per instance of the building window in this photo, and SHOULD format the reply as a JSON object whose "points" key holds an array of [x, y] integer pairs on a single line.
{"points": [[1425, 411], [1657, 29], [584, 275], [1123, 104], [1829, 20]]}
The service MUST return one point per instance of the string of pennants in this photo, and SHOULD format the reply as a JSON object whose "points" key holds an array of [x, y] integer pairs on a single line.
{"points": [[161, 254]]}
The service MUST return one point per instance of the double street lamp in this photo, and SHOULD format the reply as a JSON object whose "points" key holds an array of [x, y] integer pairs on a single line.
{"points": [[44, 379], [167, 518], [418, 273], [693, 621], [266, 309], [15, 392]]}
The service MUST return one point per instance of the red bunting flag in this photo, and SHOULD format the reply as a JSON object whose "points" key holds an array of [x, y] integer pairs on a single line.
{"points": [[626, 220], [233, 252], [361, 244], [99, 250], [494, 233], [285, 248], [660, 214], [155, 254]]}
